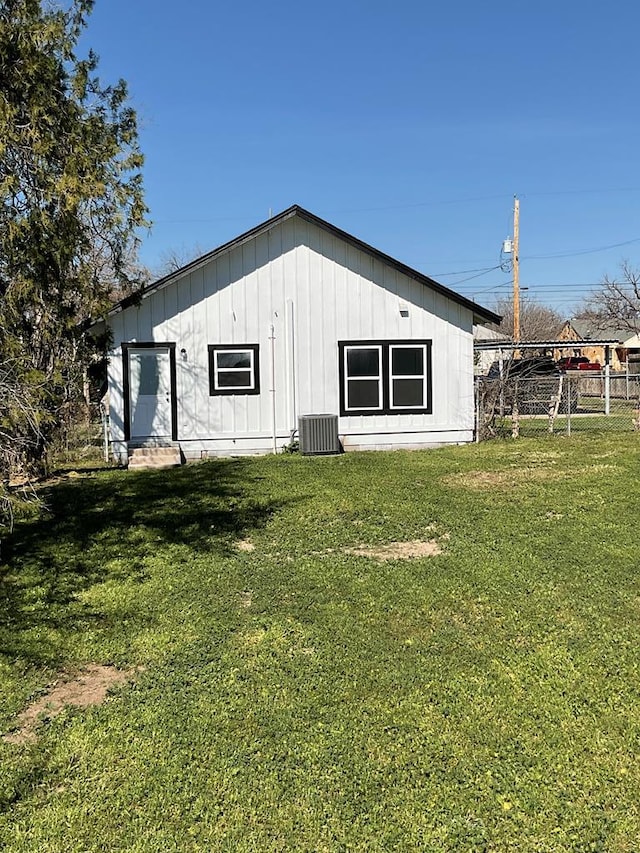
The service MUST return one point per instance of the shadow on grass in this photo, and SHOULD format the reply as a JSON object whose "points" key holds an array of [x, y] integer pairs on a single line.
{"points": [[104, 526]]}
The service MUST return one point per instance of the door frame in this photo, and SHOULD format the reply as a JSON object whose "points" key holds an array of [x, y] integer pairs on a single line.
{"points": [[126, 390]]}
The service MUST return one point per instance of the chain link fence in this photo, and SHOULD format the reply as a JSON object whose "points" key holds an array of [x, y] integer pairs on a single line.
{"points": [[81, 436], [568, 403]]}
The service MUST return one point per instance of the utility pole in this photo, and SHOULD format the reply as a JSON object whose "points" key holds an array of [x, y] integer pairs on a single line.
{"points": [[516, 270]]}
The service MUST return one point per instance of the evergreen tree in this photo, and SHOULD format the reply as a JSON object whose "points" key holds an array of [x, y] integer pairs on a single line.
{"points": [[71, 202]]}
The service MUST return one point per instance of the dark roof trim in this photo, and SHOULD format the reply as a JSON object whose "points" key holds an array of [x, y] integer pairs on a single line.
{"points": [[479, 313]]}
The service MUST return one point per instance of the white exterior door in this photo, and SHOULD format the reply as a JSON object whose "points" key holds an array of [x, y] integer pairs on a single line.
{"points": [[150, 392]]}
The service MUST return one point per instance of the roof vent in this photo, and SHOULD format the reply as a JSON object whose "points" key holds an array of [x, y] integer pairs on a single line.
{"points": [[318, 435]]}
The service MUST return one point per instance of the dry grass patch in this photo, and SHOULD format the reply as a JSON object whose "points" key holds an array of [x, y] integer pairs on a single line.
{"points": [[519, 475], [398, 550], [502, 479], [87, 688]]}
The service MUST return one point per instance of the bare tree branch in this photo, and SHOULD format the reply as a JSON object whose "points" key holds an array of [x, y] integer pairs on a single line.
{"points": [[537, 322], [617, 303], [173, 259]]}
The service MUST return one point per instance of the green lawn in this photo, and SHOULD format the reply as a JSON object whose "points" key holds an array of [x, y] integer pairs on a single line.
{"points": [[301, 697]]}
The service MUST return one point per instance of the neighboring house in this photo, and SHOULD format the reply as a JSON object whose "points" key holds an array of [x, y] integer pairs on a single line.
{"points": [[291, 318], [625, 356], [484, 358]]}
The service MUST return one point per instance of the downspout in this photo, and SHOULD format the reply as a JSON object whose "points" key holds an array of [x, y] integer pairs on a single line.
{"points": [[272, 389], [104, 411], [291, 366]]}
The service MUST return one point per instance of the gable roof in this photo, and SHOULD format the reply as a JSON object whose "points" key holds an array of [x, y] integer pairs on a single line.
{"points": [[480, 314], [589, 329]]}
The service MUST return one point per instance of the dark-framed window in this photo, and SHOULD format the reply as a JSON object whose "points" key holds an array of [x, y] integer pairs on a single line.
{"points": [[234, 369], [385, 377], [363, 381]]}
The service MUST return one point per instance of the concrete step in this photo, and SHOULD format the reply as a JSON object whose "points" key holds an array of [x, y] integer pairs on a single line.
{"points": [[154, 457], [136, 465], [142, 452]]}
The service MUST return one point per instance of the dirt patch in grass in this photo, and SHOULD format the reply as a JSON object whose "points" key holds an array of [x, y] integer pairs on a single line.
{"points": [[538, 456], [245, 545], [518, 476], [398, 550], [246, 598], [502, 479], [87, 688]]}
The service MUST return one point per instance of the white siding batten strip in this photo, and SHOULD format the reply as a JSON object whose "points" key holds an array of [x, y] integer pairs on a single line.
{"points": [[272, 388]]}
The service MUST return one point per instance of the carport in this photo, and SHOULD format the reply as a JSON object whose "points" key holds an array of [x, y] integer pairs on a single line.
{"points": [[505, 350]]}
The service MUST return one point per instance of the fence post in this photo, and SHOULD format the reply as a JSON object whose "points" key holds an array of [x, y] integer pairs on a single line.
{"points": [[626, 376], [515, 413], [607, 381], [568, 404], [554, 403]]}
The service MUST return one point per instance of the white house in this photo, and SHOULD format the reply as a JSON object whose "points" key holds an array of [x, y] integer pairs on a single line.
{"points": [[294, 317], [484, 358]]}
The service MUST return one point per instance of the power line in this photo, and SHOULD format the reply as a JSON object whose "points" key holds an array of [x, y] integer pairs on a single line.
{"points": [[592, 191], [461, 272], [558, 255], [485, 272], [584, 252], [429, 203], [508, 283], [553, 256], [534, 287], [549, 285], [438, 202]]}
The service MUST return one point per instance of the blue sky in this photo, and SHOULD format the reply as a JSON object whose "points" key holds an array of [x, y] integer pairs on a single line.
{"points": [[411, 125]]}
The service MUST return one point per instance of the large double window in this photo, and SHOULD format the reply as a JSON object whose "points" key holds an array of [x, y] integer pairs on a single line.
{"points": [[385, 377], [234, 369]]}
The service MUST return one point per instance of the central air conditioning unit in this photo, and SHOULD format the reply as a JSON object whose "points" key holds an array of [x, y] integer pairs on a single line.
{"points": [[318, 435]]}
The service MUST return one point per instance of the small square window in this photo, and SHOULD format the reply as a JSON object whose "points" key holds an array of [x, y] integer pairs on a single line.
{"points": [[407, 361], [363, 361], [407, 393], [363, 394], [234, 369]]}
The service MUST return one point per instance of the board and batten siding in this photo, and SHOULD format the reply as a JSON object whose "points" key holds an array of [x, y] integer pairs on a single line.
{"points": [[315, 289]]}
